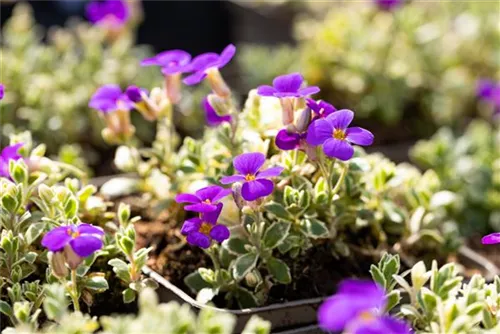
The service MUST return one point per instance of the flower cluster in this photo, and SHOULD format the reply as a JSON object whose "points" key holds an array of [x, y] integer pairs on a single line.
{"points": [[327, 127], [358, 308]]}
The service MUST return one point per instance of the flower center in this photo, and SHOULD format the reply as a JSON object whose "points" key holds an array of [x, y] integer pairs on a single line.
{"points": [[207, 201], [74, 234], [366, 316], [338, 134], [205, 228], [250, 177]]}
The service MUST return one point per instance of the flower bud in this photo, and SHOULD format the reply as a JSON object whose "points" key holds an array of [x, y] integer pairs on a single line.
{"points": [[217, 83], [58, 264], [72, 259], [238, 199], [219, 104], [134, 94], [304, 120]]}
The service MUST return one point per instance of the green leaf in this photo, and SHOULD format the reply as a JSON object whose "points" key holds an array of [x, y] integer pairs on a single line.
{"points": [[208, 275], [277, 210], [129, 295], [33, 232], [275, 234], [10, 203], [6, 309], [393, 299], [245, 298], [120, 268], [71, 207], [237, 246], [243, 265], [96, 283], [195, 282], [378, 276], [314, 228], [279, 270]]}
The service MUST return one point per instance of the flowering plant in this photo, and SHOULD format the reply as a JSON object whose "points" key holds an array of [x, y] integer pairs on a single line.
{"points": [[255, 200]]}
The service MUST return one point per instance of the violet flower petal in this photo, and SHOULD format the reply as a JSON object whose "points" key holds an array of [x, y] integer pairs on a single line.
{"points": [[198, 239], [266, 90], [57, 238], [187, 198], [219, 233], [211, 115], [232, 179], [223, 193], [288, 83], [89, 229], [226, 55], [359, 136], [85, 245], [340, 119], [2, 91], [270, 172], [194, 79], [249, 163], [490, 239], [253, 190], [213, 216], [11, 152], [191, 225], [105, 98], [287, 141], [340, 149], [379, 325], [309, 90], [319, 131], [208, 192], [201, 207]]}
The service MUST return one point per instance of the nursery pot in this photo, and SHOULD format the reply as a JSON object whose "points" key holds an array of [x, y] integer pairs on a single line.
{"points": [[284, 317]]}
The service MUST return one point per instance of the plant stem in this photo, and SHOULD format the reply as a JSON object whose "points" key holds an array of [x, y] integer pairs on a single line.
{"points": [[342, 176], [74, 291]]}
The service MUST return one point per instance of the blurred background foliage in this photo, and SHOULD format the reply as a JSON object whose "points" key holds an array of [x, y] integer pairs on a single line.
{"points": [[405, 72]]}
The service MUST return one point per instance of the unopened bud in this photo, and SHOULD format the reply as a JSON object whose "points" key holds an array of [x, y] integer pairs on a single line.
{"points": [[72, 259], [58, 264], [252, 279], [217, 83], [238, 199], [134, 94], [304, 120], [219, 104]]}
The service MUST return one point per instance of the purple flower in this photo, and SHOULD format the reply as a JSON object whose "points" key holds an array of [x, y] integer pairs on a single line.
{"points": [[2, 91], [203, 64], [388, 5], [321, 109], [171, 62], [112, 12], [211, 115], [134, 93], [287, 141], [333, 133], [9, 153], [287, 85], [109, 98], [204, 200], [491, 239], [83, 239], [489, 91], [201, 231], [255, 182], [356, 308]]}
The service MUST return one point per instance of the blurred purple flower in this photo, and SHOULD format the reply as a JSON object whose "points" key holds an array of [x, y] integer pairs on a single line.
{"points": [[255, 182], [388, 5], [2, 91], [204, 63], [9, 153], [112, 12], [356, 308], [201, 231], [204, 200], [321, 109], [211, 115], [490, 239], [171, 62], [109, 98], [83, 239], [333, 133], [287, 85], [287, 141], [489, 91]]}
